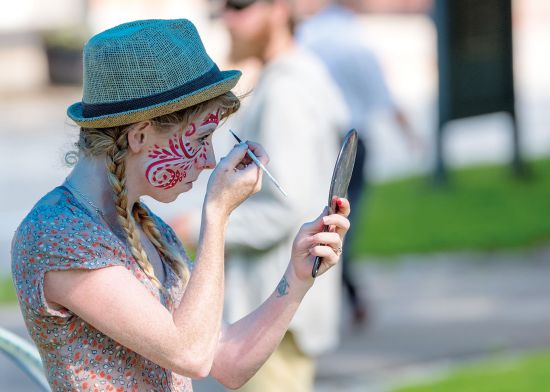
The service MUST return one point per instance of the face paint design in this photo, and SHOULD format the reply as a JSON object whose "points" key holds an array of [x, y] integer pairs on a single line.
{"points": [[212, 118], [167, 166]]}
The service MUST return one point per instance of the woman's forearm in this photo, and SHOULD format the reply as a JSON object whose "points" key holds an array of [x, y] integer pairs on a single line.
{"points": [[198, 317], [199, 314], [248, 343]]}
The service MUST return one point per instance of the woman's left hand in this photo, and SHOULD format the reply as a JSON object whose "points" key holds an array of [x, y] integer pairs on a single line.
{"points": [[312, 241]]}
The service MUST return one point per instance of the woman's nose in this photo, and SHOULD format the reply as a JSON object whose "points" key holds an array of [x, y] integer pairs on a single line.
{"points": [[208, 161]]}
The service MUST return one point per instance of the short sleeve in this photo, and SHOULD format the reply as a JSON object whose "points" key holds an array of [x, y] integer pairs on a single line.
{"points": [[54, 239]]}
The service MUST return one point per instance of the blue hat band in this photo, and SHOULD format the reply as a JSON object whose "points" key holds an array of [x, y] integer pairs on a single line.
{"points": [[100, 109]]}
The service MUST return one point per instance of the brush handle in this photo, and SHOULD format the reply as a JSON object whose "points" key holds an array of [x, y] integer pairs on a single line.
{"points": [[261, 166]]}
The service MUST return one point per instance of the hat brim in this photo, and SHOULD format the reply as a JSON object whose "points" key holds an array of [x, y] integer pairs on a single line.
{"points": [[228, 81]]}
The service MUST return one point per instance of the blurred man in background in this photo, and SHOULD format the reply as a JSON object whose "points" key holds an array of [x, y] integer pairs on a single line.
{"points": [[330, 30], [298, 113]]}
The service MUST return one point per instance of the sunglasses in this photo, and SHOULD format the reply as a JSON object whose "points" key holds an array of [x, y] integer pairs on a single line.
{"points": [[238, 5]]}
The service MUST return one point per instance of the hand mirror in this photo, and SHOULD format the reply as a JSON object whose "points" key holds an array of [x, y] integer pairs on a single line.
{"points": [[341, 177]]}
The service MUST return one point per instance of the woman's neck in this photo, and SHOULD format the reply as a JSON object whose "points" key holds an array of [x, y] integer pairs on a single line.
{"points": [[89, 177]]}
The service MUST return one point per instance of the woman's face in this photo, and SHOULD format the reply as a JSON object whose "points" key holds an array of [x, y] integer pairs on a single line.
{"points": [[176, 157]]}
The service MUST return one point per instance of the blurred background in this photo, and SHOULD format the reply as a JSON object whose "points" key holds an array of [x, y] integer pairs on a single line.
{"points": [[453, 250]]}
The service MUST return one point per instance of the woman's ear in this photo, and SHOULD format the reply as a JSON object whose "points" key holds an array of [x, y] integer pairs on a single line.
{"points": [[138, 135]]}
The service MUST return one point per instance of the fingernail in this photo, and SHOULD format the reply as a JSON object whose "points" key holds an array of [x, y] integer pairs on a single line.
{"points": [[340, 202]]}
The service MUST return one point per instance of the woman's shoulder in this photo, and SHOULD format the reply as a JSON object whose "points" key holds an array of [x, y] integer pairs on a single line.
{"points": [[58, 234], [56, 208], [58, 228]]}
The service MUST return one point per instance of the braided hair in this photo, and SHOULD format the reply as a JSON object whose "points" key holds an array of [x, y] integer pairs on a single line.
{"points": [[112, 144]]}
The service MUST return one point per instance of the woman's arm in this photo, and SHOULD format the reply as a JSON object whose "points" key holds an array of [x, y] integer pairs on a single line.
{"points": [[116, 303], [246, 344]]}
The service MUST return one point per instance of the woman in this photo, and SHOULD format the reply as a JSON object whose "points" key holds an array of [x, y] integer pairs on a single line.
{"points": [[104, 285]]}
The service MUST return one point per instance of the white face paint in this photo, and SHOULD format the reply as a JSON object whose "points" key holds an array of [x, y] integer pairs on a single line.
{"points": [[183, 156]]}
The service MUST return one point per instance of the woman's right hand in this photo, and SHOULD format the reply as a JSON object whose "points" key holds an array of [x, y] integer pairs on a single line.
{"points": [[235, 178]]}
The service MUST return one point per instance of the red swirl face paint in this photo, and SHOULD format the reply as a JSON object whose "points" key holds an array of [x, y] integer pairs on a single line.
{"points": [[184, 155], [212, 118]]}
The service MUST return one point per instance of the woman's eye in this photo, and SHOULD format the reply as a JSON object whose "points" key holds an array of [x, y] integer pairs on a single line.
{"points": [[203, 139]]}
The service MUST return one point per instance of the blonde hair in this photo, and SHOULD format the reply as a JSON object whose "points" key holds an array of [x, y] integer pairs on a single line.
{"points": [[112, 143]]}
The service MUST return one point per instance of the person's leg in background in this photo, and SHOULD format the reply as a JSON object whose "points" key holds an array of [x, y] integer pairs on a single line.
{"points": [[279, 372], [355, 193]]}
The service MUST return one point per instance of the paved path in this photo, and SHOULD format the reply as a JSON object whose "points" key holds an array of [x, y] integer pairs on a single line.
{"points": [[426, 313], [429, 313]]}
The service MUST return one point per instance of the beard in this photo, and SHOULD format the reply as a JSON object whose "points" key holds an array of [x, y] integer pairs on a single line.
{"points": [[251, 46]]}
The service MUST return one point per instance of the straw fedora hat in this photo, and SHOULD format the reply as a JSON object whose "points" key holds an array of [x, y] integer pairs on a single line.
{"points": [[144, 69]]}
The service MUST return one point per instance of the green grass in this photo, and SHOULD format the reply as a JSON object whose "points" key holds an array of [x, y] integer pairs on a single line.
{"points": [[483, 208], [528, 374], [7, 291]]}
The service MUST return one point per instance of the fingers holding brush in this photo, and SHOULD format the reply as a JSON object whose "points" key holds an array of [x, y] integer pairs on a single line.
{"points": [[258, 151]]}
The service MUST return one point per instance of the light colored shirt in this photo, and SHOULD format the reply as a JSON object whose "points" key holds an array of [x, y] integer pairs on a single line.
{"points": [[335, 36], [297, 114]]}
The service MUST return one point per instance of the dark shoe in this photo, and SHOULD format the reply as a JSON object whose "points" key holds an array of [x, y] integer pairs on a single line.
{"points": [[360, 315]]}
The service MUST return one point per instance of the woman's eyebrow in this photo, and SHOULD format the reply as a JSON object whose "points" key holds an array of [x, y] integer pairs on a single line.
{"points": [[205, 133]]}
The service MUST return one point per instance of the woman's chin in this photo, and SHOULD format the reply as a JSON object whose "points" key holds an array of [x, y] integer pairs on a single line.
{"points": [[169, 195], [184, 187]]}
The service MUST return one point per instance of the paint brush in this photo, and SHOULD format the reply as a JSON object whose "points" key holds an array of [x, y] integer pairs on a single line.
{"points": [[260, 165]]}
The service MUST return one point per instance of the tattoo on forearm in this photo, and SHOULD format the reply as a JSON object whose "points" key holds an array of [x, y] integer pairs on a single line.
{"points": [[282, 287]]}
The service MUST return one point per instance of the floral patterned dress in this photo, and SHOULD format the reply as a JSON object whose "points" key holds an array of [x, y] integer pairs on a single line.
{"points": [[60, 234]]}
